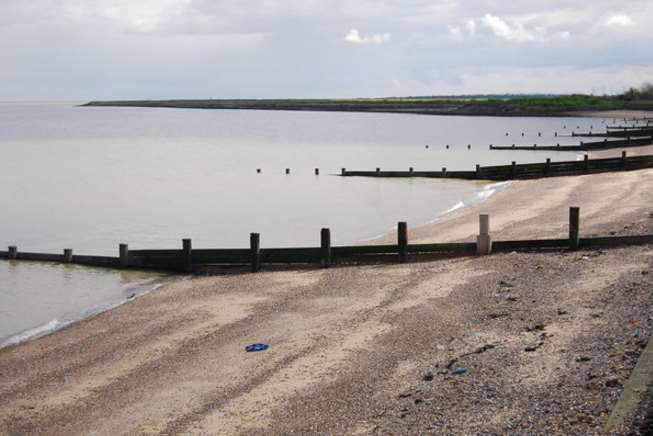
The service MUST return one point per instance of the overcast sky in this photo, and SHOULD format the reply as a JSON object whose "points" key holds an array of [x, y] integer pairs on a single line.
{"points": [[129, 49]]}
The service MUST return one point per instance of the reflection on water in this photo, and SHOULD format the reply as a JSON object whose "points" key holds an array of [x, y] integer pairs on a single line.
{"points": [[91, 178]]}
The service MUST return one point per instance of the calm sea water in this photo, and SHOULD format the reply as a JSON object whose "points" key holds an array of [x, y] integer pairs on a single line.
{"points": [[91, 178]]}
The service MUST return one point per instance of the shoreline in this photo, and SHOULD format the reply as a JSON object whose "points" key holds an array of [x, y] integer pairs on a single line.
{"points": [[378, 336]]}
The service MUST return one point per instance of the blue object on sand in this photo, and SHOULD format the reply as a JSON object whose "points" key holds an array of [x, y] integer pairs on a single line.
{"points": [[460, 370], [256, 347]]}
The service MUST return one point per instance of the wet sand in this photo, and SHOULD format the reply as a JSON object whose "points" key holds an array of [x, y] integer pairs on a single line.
{"points": [[545, 339]]}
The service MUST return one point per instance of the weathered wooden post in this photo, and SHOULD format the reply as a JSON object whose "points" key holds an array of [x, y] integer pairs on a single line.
{"points": [[325, 247], [574, 228], [255, 251], [624, 157], [402, 241], [123, 252], [68, 255], [586, 160], [484, 240], [513, 169], [187, 251], [12, 252]]}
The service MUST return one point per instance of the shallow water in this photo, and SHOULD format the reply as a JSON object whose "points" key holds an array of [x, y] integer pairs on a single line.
{"points": [[91, 178]]}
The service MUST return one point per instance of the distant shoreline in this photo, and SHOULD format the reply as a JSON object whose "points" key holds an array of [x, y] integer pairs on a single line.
{"points": [[549, 107]]}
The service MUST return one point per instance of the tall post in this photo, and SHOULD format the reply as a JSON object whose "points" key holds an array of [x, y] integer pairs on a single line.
{"points": [[624, 157], [68, 255], [484, 240], [187, 255], [12, 252], [325, 247], [402, 241], [123, 251], [255, 251], [574, 228]]}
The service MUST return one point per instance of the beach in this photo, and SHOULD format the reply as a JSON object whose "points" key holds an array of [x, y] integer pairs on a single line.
{"points": [[542, 342]]}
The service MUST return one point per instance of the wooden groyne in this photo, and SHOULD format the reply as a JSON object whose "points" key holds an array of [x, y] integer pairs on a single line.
{"points": [[616, 133], [523, 171], [186, 259], [583, 146]]}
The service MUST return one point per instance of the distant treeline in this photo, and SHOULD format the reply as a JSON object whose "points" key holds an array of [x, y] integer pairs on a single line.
{"points": [[502, 105]]}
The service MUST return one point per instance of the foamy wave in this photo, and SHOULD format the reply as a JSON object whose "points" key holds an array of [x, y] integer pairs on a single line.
{"points": [[139, 290], [34, 333], [456, 206]]}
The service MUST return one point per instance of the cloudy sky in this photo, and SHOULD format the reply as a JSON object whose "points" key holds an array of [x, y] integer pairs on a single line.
{"points": [[112, 49]]}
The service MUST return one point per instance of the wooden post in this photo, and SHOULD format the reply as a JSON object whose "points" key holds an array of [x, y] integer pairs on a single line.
{"points": [[123, 251], [411, 170], [547, 166], [624, 157], [513, 170], [287, 170], [444, 171], [343, 171], [478, 170], [317, 171], [484, 240], [402, 241], [378, 170], [587, 162], [258, 171], [12, 252], [187, 255], [325, 247], [68, 255], [574, 227], [255, 250]]}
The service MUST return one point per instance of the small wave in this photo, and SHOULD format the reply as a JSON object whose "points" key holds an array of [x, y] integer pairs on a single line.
{"points": [[33, 333]]}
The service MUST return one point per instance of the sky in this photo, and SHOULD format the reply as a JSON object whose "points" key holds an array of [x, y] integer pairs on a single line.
{"points": [[160, 49]]}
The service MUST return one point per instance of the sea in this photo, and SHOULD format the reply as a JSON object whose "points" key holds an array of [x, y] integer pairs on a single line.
{"points": [[90, 178]]}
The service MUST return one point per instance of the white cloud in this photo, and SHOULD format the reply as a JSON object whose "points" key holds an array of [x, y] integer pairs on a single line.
{"points": [[619, 21], [355, 37], [515, 30], [470, 25]]}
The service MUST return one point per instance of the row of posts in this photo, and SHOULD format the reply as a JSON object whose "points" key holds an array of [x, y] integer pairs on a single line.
{"points": [[483, 244]]}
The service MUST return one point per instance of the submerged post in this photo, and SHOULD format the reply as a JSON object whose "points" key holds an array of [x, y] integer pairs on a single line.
{"points": [[484, 240], [402, 241], [255, 251], [187, 255], [574, 226], [325, 247], [12, 252], [123, 252], [68, 255]]}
